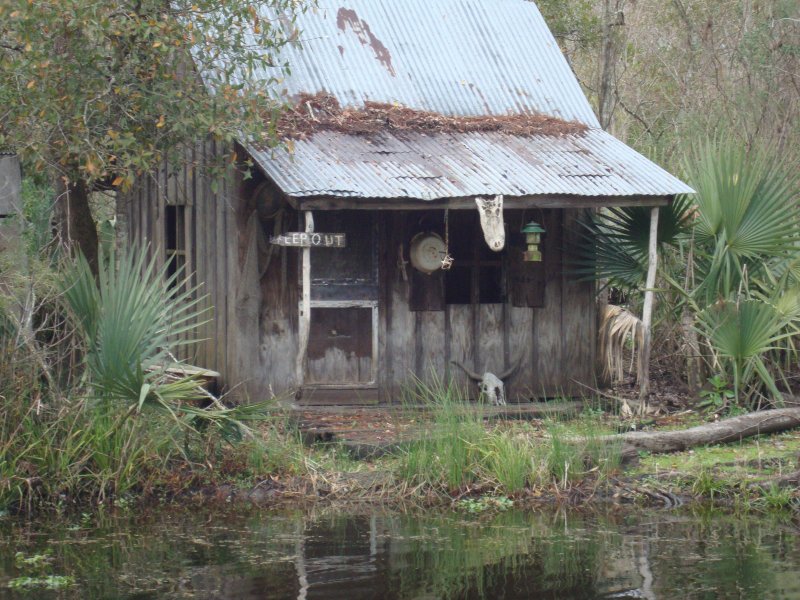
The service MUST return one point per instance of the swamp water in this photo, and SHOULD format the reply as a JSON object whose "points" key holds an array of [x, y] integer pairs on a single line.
{"points": [[386, 555]]}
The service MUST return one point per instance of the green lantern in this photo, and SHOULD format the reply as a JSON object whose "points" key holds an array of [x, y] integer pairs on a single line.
{"points": [[533, 237]]}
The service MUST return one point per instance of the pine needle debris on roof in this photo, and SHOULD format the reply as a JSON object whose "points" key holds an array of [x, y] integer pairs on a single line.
{"points": [[313, 113]]}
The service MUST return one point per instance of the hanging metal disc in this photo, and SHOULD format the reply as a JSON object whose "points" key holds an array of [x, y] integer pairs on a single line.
{"points": [[427, 251]]}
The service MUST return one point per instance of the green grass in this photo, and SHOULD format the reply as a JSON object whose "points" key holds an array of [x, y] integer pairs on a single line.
{"points": [[730, 473], [458, 449], [757, 456]]}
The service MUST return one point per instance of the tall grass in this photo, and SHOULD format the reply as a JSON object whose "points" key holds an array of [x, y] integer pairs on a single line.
{"points": [[444, 459], [88, 410], [459, 451]]}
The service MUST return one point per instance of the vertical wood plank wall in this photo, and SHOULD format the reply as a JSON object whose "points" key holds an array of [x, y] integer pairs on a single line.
{"points": [[209, 218], [555, 345], [252, 288]]}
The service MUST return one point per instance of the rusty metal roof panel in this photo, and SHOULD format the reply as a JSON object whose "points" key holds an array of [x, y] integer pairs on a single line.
{"points": [[429, 167], [455, 57]]}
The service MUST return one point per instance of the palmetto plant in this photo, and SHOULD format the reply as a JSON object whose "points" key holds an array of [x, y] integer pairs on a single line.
{"points": [[746, 219], [744, 250], [748, 236], [742, 333], [131, 318], [130, 322], [614, 243]]}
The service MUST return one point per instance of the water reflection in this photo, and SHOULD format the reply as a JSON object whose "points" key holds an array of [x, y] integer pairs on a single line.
{"points": [[386, 555]]}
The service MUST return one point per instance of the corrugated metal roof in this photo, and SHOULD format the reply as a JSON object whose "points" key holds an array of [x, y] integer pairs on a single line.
{"points": [[454, 57], [430, 167]]}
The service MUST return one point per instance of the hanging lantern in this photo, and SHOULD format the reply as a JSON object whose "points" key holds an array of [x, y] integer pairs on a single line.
{"points": [[533, 237]]}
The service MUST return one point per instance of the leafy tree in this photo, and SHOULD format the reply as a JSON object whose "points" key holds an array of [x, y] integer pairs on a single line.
{"points": [[574, 22], [97, 92]]}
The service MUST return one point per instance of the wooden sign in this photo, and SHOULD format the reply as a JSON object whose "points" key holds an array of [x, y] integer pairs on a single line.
{"points": [[310, 240]]}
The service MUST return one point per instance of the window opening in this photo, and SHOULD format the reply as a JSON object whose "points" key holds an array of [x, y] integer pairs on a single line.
{"points": [[175, 243], [477, 272]]}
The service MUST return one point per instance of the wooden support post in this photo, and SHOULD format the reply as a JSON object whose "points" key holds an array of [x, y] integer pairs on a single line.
{"points": [[647, 312], [304, 320]]}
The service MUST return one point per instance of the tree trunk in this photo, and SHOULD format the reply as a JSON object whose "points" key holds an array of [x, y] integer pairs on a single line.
{"points": [[613, 17], [694, 368], [727, 430], [75, 225]]}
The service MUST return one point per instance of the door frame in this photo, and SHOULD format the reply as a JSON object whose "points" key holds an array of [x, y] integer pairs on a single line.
{"points": [[373, 381]]}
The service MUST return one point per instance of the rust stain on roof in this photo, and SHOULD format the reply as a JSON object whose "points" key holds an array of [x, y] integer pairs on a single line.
{"points": [[346, 17]]}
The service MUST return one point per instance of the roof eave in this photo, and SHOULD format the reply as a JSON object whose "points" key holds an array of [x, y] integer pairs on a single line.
{"points": [[331, 202]]}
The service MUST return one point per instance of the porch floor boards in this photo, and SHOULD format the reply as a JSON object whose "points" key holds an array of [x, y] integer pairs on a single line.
{"points": [[372, 431]]}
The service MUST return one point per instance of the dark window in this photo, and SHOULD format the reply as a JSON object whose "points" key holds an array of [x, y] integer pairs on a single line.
{"points": [[477, 272], [175, 242], [349, 273]]}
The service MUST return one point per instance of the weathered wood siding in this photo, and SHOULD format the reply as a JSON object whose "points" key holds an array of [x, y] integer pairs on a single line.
{"points": [[554, 344], [246, 286], [252, 290]]}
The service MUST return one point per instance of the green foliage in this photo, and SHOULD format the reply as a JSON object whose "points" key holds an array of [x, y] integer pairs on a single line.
{"points": [[574, 22], [742, 235], [461, 450], [37, 211], [444, 459], [90, 413], [50, 582], [36, 567], [747, 235], [484, 504], [510, 460], [746, 215], [778, 498], [614, 243], [742, 332], [708, 485], [718, 396], [130, 320], [101, 90]]}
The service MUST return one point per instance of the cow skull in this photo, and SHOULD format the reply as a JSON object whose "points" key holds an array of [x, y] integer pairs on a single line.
{"points": [[491, 386], [493, 389]]}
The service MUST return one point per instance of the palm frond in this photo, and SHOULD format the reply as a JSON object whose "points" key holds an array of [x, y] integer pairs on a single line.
{"points": [[130, 322], [617, 327], [742, 332], [613, 244], [747, 214]]}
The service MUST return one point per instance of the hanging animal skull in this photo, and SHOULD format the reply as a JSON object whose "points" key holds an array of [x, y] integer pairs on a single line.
{"points": [[491, 386], [491, 213]]}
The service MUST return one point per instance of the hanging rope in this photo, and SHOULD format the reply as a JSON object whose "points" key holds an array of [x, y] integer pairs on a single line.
{"points": [[447, 260]]}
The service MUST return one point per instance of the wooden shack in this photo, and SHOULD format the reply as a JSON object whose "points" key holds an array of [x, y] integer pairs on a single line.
{"points": [[312, 261]]}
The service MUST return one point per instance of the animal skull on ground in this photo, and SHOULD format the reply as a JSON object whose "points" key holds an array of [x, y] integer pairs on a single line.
{"points": [[490, 385]]}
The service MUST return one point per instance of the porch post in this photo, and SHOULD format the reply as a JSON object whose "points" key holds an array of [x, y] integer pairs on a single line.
{"points": [[304, 318], [647, 312]]}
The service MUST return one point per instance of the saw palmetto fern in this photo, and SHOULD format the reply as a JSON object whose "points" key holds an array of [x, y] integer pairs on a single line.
{"points": [[132, 317], [613, 244], [746, 219]]}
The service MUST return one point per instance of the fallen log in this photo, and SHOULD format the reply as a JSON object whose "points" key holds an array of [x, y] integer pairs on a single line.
{"points": [[727, 430]]}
